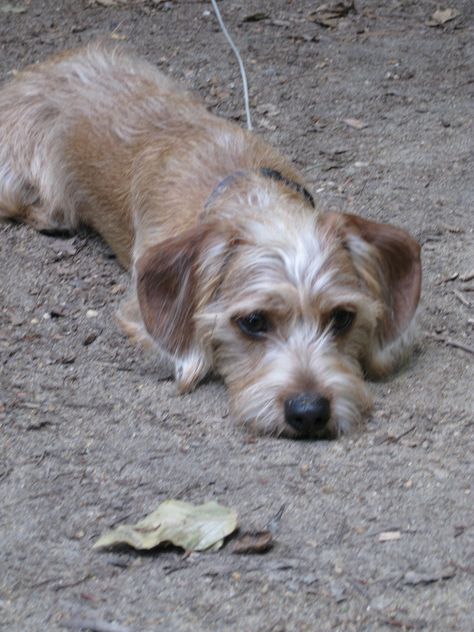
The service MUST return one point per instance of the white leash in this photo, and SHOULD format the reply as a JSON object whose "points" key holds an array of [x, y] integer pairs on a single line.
{"points": [[239, 59]]}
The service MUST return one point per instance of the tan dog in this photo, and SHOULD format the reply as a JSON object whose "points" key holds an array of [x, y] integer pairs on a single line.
{"points": [[233, 270]]}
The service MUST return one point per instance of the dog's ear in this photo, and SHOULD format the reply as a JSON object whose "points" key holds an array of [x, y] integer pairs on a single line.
{"points": [[388, 260], [174, 278]]}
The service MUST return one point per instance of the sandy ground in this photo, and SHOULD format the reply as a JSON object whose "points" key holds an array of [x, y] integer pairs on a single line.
{"points": [[92, 432]]}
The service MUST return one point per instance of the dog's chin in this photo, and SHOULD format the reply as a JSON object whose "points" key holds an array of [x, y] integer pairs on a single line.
{"points": [[324, 434]]}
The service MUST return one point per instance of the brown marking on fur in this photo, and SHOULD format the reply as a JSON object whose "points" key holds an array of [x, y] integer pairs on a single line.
{"points": [[166, 287], [398, 259]]}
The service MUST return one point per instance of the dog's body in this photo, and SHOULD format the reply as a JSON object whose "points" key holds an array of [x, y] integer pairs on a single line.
{"points": [[232, 267]]}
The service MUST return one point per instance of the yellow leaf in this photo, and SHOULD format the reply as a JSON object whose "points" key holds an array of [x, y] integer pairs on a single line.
{"points": [[194, 528]]}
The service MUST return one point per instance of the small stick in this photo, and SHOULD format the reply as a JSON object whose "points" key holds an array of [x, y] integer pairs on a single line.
{"points": [[451, 277], [452, 229], [462, 299], [273, 524], [452, 343], [95, 625], [404, 434]]}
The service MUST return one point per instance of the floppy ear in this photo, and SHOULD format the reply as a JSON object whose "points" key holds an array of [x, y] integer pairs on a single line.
{"points": [[398, 257], [387, 258], [174, 278]]}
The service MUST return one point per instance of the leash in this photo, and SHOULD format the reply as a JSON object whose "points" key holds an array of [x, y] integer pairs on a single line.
{"points": [[239, 59]]}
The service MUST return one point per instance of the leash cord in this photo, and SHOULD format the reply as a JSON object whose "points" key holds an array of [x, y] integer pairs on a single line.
{"points": [[239, 59]]}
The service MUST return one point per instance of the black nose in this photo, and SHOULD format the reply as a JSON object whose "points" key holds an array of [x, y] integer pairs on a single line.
{"points": [[307, 413]]}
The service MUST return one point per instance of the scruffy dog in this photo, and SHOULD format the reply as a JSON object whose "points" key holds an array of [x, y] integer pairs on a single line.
{"points": [[233, 269]]}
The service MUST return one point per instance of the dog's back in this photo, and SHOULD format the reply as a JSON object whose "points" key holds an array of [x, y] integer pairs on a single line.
{"points": [[71, 129], [100, 137]]}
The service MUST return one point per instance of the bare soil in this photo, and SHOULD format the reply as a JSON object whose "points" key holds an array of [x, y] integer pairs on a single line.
{"points": [[92, 431]]}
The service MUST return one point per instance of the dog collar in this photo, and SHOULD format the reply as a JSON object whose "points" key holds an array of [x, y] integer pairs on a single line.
{"points": [[266, 172]]}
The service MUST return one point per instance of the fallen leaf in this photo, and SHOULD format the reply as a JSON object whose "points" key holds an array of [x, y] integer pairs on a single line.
{"points": [[441, 16], [328, 14], [90, 338], [355, 123], [16, 319], [267, 125], [118, 288], [337, 591], [413, 578], [57, 312], [469, 276], [64, 247], [389, 536], [268, 108], [253, 542], [335, 159], [194, 528], [282, 23], [256, 17], [11, 8]]}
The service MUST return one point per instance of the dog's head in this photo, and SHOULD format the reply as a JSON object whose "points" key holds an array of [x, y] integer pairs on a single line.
{"points": [[291, 313]]}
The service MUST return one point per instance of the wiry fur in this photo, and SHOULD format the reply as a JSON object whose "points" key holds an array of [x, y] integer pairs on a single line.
{"points": [[98, 137]]}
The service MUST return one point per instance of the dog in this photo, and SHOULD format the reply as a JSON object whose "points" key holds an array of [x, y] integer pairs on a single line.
{"points": [[234, 271]]}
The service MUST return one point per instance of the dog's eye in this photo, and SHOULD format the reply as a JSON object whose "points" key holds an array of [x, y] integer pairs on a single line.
{"points": [[341, 320], [255, 324]]}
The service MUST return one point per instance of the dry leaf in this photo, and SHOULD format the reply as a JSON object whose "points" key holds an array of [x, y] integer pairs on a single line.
{"points": [[268, 108], [389, 536], [109, 3], [329, 14], [11, 8], [256, 17], [441, 16], [194, 528], [355, 123], [414, 577], [253, 542], [63, 247], [469, 276]]}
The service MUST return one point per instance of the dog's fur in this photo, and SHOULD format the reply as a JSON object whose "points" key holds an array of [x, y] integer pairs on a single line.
{"points": [[232, 270]]}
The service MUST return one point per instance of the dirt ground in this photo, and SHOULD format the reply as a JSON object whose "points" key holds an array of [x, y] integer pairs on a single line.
{"points": [[92, 432]]}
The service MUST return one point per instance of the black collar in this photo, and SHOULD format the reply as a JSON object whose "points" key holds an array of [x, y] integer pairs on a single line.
{"points": [[266, 172], [291, 184]]}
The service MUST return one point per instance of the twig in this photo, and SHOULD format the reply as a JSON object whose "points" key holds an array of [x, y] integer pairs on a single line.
{"points": [[462, 299], [451, 277], [94, 625], [452, 343], [71, 583], [273, 524], [404, 434]]}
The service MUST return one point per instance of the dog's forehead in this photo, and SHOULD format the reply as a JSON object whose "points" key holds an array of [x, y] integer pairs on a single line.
{"points": [[300, 253]]}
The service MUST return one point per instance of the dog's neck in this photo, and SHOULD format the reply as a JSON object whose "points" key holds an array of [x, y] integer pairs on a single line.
{"points": [[266, 172]]}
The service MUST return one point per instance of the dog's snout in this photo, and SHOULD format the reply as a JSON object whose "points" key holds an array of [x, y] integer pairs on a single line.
{"points": [[307, 413]]}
